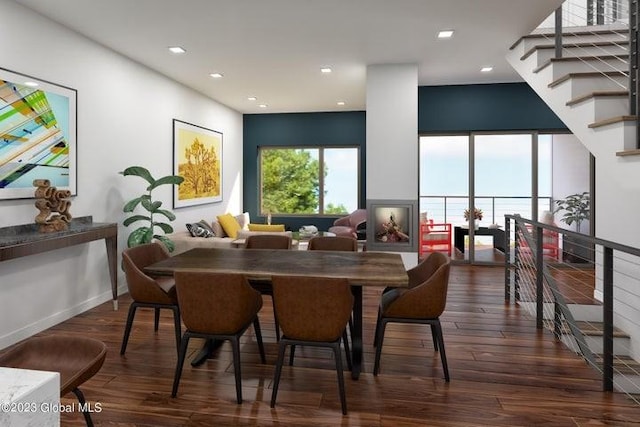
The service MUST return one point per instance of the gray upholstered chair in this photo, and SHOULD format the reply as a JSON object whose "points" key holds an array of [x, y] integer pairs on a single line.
{"points": [[312, 312], [423, 302], [157, 292], [217, 306]]}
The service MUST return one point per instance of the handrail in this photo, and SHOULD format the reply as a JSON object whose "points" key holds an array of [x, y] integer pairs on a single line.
{"points": [[516, 274]]}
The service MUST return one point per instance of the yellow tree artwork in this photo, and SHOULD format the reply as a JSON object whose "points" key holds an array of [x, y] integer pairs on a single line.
{"points": [[198, 159]]}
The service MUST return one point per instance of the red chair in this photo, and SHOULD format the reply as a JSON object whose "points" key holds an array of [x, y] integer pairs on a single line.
{"points": [[550, 243], [434, 238]]}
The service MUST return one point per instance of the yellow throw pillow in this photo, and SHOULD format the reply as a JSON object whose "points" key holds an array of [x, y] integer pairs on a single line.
{"points": [[230, 225], [266, 227]]}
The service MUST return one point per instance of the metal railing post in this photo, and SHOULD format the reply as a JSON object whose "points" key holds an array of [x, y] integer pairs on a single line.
{"points": [[558, 32], [600, 12], [633, 65], [539, 280], [607, 319], [507, 260], [589, 12]]}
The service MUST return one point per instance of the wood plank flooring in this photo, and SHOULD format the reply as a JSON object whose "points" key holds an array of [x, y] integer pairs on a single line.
{"points": [[504, 372]]}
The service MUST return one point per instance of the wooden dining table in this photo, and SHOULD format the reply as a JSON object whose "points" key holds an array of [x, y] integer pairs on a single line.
{"points": [[359, 268]]}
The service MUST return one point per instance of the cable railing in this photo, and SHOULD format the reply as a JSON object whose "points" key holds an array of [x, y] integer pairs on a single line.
{"points": [[587, 294], [602, 35]]}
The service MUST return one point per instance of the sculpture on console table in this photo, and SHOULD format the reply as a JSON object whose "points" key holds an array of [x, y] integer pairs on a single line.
{"points": [[50, 200]]}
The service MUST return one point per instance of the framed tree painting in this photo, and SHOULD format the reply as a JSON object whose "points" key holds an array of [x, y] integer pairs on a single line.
{"points": [[38, 135], [197, 157]]}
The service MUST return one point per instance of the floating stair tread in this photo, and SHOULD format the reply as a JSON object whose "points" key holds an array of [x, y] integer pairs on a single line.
{"points": [[576, 59], [585, 32], [613, 120], [628, 153], [566, 46], [599, 94], [587, 75], [593, 329], [622, 365]]}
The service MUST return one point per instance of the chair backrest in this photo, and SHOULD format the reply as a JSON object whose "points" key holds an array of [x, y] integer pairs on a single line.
{"points": [[426, 268], [142, 287], [427, 300], [267, 241], [333, 243], [312, 308], [216, 303]]}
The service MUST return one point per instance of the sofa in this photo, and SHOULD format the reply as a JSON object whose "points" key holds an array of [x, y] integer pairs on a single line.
{"points": [[204, 234]]}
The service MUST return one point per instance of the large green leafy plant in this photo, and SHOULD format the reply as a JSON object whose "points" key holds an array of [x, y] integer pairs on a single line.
{"points": [[576, 208], [147, 233]]}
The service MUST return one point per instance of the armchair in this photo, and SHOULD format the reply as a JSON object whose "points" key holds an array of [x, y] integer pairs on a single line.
{"points": [[434, 238], [352, 225]]}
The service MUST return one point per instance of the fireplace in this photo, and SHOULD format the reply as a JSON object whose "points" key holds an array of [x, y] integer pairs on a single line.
{"points": [[392, 225]]}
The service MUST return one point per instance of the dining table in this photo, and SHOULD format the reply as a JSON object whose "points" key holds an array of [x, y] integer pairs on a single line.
{"points": [[379, 269]]}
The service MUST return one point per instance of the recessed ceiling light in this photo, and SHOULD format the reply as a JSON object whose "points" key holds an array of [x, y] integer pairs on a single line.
{"points": [[341, 103], [216, 75], [252, 98], [445, 34], [177, 49], [262, 105], [486, 69], [31, 84], [325, 70]]}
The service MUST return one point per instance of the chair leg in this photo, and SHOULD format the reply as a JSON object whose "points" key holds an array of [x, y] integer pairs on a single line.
{"points": [[292, 352], [380, 338], [156, 319], [276, 375], [258, 331], [127, 329], [347, 350], [235, 346], [275, 320], [338, 356], [443, 355], [178, 326], [375, 335], [83, 407], [179, 363], [434, 336]]}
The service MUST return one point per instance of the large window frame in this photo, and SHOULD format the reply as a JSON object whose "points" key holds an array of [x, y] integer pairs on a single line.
{"points": [[321, 178]]}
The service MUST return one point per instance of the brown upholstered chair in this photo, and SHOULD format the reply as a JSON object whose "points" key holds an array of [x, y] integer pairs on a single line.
{"points": [[337, 243], [422, 303], [267, 241], [147, 291], [312, 312], [217, 306], [77, 359]]}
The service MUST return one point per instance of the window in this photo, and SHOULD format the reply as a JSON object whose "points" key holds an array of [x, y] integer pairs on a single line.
{"points": [[292, 183]]}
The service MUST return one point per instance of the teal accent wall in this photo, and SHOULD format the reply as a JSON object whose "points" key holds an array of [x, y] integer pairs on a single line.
{"points": [[300, 129], [441, 109]]}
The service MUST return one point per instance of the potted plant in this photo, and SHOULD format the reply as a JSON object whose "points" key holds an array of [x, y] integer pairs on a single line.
{"points": [[576, 208], [477, 217], [146, 233]]}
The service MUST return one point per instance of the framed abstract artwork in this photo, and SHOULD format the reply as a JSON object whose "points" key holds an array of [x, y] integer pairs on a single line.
{"points": [[38, 135], [197, 157]]}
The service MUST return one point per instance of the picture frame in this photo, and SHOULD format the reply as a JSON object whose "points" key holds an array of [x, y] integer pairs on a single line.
{"points": [[38, 135], [197, 157], [392, 225]]}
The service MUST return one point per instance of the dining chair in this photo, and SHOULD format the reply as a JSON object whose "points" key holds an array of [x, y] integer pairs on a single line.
{"points": [[333, 243], [421, 303], [157, 292], [267, 241], [217, 306], [75, 358], [312, 311]]}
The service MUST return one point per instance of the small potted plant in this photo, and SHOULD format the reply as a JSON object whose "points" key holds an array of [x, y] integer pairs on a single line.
{"points": [[147, 233], [477, 216], [576, 208]]}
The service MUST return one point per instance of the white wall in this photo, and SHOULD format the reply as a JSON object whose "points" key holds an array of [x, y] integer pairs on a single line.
{"points": [[125, 114]]}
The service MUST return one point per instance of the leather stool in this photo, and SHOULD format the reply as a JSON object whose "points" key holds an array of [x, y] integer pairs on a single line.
{"points": [[77, 359]]}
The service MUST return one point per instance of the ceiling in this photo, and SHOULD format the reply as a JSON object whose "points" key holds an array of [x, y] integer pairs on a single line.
{"points": [[274, 49]]}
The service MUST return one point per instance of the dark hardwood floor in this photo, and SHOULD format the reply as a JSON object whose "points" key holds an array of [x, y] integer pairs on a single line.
{"points": [[504, 372]]}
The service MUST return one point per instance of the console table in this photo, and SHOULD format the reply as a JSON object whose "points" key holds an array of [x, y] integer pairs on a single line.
{"points": [[460, 232], [22, 240]]}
